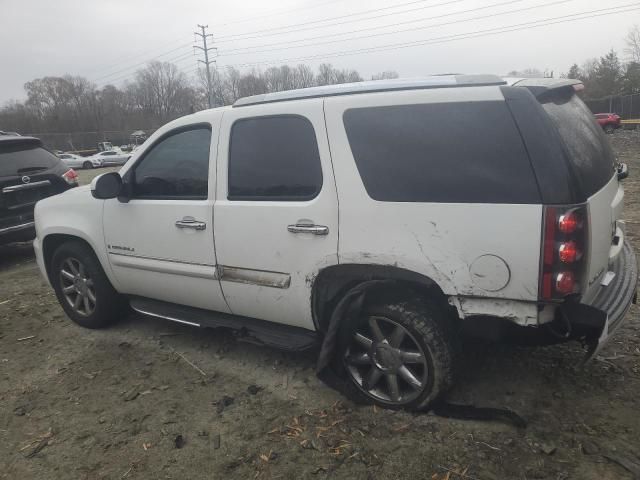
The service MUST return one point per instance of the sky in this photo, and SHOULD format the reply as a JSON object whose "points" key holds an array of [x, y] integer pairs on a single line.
{"points": [[107, 40]]}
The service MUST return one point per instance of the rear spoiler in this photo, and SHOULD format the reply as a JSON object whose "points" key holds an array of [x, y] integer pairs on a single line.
{"points": [[12, 140], [540, 86]]}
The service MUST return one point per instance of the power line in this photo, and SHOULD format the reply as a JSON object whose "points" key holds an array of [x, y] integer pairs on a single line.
{"points": [[141, 63], [135, 56], [174, 60], [233, 51], [206, 61], [133, 66], [272, 13], [229, 38], [451, 38], [247, 19]]}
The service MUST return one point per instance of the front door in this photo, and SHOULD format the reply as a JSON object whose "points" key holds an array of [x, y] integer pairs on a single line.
{"points": [[160, 243], [276, 210]]}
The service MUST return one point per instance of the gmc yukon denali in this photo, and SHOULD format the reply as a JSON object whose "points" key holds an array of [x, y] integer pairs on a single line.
{"points": [[379, 221]]}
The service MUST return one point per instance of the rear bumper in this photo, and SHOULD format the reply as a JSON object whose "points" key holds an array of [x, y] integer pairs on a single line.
{"points": [[596, 322]]}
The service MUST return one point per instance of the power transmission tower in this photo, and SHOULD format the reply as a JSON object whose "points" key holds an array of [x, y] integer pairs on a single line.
{"points": [[206, 60]]}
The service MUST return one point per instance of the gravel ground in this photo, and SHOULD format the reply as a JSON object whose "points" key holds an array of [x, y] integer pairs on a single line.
{"points": [[150, 399]]}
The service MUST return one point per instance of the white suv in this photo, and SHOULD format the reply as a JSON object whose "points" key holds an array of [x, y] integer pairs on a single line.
{"points": [[382, 220]]}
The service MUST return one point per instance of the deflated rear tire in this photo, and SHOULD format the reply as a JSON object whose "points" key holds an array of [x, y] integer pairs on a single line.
{"points": [[401, 355], [82, 288]]}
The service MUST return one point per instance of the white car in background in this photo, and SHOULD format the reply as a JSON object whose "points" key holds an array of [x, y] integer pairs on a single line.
{"points": [[111, 157], [76, 161]]}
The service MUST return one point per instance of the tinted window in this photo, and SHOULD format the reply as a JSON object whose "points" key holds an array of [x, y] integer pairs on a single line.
{"points": [[16, 159], [447, 152], [108, 153], [274, 158], [178, 166], [586, 146]]}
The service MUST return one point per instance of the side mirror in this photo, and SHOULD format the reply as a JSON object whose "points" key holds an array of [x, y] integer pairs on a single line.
{"points": [[107, 185], [623, 171]]}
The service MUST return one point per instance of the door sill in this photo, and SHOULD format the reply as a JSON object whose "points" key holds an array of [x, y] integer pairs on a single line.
{"points": [[284, 337]]}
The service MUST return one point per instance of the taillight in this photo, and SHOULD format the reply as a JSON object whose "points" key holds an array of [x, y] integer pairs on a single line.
{"points": [[569, 222], [568, 252], [565, 283], [564, 244], [71, 177]]}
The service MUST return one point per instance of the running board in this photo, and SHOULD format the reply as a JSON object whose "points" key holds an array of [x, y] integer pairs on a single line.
{"points": [[284, 337]]}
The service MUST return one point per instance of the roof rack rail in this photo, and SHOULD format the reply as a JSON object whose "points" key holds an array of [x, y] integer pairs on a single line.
{"points": [[435, 81]]}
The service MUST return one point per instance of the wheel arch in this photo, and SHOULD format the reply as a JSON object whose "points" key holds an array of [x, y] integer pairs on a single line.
{"points": [[333, 282], [51, 242]]}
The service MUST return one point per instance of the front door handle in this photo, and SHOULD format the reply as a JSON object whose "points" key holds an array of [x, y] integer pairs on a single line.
{"points": [[306, 228], [190, 222]]}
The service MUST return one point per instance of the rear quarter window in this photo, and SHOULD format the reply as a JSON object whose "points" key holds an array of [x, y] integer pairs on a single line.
{"points": [[587, 149], [467, 152]]}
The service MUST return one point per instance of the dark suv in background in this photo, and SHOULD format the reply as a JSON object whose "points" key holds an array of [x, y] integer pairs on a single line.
{"points": [[28, 173]]}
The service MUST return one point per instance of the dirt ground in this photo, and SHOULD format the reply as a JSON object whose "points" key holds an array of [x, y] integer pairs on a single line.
{"points": [[151, 399]]}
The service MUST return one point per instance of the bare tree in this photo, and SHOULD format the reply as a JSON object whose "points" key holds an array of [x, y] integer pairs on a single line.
{"points": [[163, 90], [386, 75], [304, 77], [633, 44]]}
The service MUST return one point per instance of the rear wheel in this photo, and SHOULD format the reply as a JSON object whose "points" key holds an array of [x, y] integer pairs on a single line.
{"points": [[87, 165], [82, 288], [609, 129], [401, 355]]}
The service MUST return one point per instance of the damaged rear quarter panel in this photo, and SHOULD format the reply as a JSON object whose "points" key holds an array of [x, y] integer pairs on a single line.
{"points": [[438, 240]]}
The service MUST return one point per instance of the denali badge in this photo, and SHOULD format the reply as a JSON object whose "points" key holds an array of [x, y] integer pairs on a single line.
{"points": [[25, 179], [118, 247]]}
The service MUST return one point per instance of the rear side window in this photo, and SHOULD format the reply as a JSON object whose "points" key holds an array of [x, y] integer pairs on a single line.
{"points": [[586, 147], [274, 158], [22, 159], [467, 152]]}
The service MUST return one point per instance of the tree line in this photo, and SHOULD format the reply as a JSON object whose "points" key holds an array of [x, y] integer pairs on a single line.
{"points": [[607, 76], [158, 93]]}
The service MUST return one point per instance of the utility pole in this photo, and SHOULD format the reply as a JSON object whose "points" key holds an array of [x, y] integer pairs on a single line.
{"points": [[206, 60]]}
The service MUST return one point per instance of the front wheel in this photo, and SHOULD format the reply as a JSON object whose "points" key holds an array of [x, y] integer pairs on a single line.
{"points": [[609, 129], [401, 355], [87, 165], [82, 288]]}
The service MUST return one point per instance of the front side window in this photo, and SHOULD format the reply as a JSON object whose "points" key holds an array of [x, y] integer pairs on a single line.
{"points": [[274, 158], [176, 167]]}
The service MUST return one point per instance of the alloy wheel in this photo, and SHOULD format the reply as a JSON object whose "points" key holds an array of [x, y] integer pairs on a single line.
{"points": [[77, 287], [386, 362]]}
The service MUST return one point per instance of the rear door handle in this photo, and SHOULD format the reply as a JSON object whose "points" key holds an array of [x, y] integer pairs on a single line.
{"points": [[190, 222], [304, 228]]}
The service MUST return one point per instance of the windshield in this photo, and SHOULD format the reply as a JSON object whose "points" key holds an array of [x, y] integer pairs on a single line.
{"points": [[586, 146]]}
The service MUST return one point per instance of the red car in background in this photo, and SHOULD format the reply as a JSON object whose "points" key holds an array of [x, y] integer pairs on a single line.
{"points": [[608, 121]]}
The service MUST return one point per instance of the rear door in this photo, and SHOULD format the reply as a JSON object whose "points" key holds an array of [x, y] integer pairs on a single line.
{"points": [[592, 164], [276, 210]]}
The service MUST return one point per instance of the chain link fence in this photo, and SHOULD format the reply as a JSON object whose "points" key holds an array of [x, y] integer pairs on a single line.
{"points": [[86, 143], [627, 106]]}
